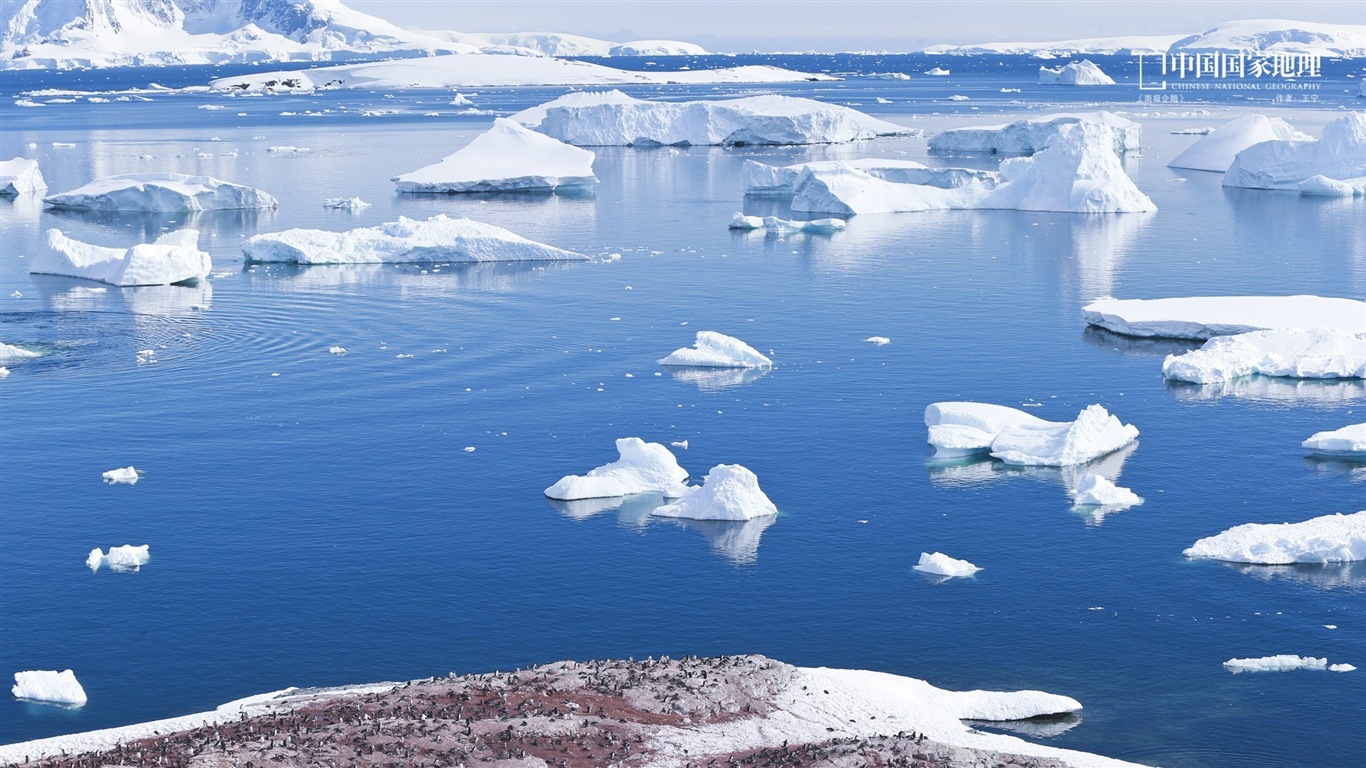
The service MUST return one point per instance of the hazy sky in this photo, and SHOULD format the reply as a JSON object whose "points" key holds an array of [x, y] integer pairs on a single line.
{"points": [[895, 25]]}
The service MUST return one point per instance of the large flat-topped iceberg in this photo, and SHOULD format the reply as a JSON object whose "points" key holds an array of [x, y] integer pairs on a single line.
{"points": [[624, 121], [781, 180], [20, 176], [729, 492], [1216, 150], [160, 192], [404, 241], [507, 157], [1318, 353], [1083, 72], [173, 258], [717, 350], [1328, 539], [1282, 164], [49, 686], [641, 467], [1350, 441], [959, 429], [1202, 317], [1023, 137]]}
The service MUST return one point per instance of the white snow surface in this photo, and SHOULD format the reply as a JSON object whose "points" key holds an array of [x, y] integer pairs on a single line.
{"points": [[1202, 317], [619, 120], [641, 467], [121, 559], [1282, 663], [1084, 72], [717, 350], [728, 492], [1318, 353], [1322, 186], [1339, 154], [506, 157], [160, 192], [1032, 134], [782, 180], [1215, 151], [560, 44], [1098, 491], [1333, 538], [20, 176], [121, 476], [940, 564], [49, 686], [173, 258], [404, 241], [1347, 441], [1255, 36], [1104, 46], [10, 353]]}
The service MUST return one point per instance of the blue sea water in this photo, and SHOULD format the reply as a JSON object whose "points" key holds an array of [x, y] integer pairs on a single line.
{"points": [[316, 519]]}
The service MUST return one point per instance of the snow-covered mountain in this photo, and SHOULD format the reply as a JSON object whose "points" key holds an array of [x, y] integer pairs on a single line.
{"points": [[559, 44]]}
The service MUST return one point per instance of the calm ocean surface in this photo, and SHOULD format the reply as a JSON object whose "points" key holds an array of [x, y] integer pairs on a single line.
{"points": [[317, 520]]}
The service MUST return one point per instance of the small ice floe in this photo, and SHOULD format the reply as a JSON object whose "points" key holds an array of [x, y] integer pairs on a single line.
{"points": [[1322, 186], [776, 226], [1033, 134], [741, 221], [1333, 538], [404, 241], [345, 203], [1082, 72], [49, 686], [122, 476], [160, 192], [12, 354], [1349, 442], [1283, 164], [174, 258], [507, 158], [937, 72], [1010, 90], [717, 350], [469, 449], [680, 444], [4, 372], [940, 564], [1341, 668], [1320, 353], [640, 468], [728, 492], [1203, 317], [288, 150], [63, 144], [1282, 663], [124, 559], [878, 340], [881, 100], [211, 107], [1097, 491], [1216, 150], [461, 100], [20, 176], [958, 97], [1191, 132], [766, 180], [959, 429], [888, 76]]}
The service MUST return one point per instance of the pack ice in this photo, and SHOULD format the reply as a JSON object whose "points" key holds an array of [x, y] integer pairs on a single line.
{"points": [[404, 241], [1215, 151], [120, 559], [1023, 137], [1202, 317], [173, 258], [50, 686], [728, 492], [160, 192], [1283, 164], [1334, 538], [717, 350], [965, 428], [1318, 353], [20, 176], [1349, 441], [1083, 72], [940, 564], [506, 157], [641, 467], [620, 120]]}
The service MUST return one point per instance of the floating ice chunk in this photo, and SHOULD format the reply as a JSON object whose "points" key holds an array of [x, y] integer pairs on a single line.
{"points": [[781, 181], [728, 492], [1096, 490], [1282, 663], [345, 203], [641, 468], [680, 444], [461, 100], [119, 559], [4, 372], [1341, 668], [776, 226], [49, 686], [20, 176], [1334, 538], [123, 475], [878, 340], [1082, 72], [288, 150], [1282, 164], [940, 564], [937, 72], [1202, 317], [336, 350], [1031, 135], [507, 157], [10, 353], [1349, 441], [1319, 353], [160, 192], [888, 76], [174, 258], [1322, 186], [1095, 433], [717, 350], [404, 241], [741, 221], [1216, 151], [965, 428]]}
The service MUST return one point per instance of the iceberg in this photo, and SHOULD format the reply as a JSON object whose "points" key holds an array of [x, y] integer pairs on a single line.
{"points": [[49, 686], [1282, 164], [937, 72], [122, 476], [1350, 441], [352, 204], [400, 242], [940, 564], [958, 429], [728, 492], [641, 468], [782, 181], [1098, 491], [717, 350], [740, 221], [1024, 137], [1333, 538], [11, 354], [119, 559], [1282, 663], [1203, 317], [1318, 353], [1322, 186], [776, 226], [506, 157], [160, 192], [1216, 150], [1083, 72], [173, 258], [619, 120], [20, 176]]}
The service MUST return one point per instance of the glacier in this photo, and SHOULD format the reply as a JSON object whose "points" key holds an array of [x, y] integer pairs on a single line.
{"points": [[507, 157], [173, 258], [404, 241]]}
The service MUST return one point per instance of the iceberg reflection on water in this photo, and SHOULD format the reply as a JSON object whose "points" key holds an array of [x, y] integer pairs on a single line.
{"points": [[736, 541]]}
